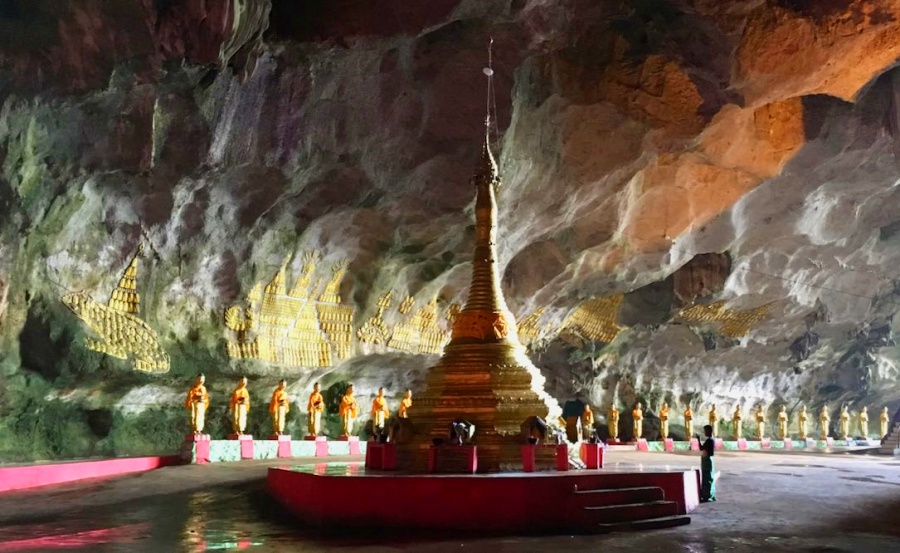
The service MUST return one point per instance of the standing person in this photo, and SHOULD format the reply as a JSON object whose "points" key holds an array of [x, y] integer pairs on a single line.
{"points": [[637, 426], [240, 406], [279, 406], [198, 402], [380, 411], [314, 408], [664, 421], [707, 471], [688, 417], [713, 419]]}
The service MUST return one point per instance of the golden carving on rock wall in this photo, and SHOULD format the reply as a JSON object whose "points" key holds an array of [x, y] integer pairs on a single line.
{"points": [[375, 331], [122, 333], [732, 323], [419, 332], [529, 326], [596, 318], [295, 329]]}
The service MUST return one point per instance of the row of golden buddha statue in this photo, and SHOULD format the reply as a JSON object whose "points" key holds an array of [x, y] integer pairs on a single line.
{"points": [[637, 416], [197, 402]]}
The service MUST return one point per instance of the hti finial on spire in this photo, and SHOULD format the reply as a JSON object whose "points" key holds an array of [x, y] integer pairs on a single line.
{"points": [[488, 169]]}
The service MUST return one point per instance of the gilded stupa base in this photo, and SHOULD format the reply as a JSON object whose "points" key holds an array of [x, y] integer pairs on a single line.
{"points": [[495, 387]]}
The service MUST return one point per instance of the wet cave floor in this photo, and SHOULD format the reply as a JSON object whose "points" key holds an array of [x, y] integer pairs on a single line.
{"points": [[767, 502]]}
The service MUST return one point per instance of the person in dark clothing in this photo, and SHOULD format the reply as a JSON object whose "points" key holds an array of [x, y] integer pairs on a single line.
{"points": [[707, 450]]}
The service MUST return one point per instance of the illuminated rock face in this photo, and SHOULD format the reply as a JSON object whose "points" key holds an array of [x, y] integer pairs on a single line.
{"points": [[654, 154]]}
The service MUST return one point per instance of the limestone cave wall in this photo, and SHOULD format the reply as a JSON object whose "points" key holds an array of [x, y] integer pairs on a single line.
{"points": [[699, 201]]}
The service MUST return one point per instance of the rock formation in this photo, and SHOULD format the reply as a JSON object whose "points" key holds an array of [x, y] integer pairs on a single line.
{"points": [[670, 153]]}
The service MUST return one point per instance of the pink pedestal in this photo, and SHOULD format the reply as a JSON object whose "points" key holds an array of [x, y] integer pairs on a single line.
{"points": [[695, 444], [766, 443], [202, 443], [719, 444], [321, 446], [642, 445], [829, 441], [742, 443], [246, 446], [592, 455], [284, 444], [529, 453], [669, 445], [353, 442], [381, 456], [453, 459], [788, 444]]}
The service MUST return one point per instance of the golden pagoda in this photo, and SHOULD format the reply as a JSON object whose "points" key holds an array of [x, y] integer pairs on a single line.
{"points": [[484, 375]]}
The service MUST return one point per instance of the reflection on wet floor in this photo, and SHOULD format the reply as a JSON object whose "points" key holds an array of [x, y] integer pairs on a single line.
{"points": [[230, 517]]}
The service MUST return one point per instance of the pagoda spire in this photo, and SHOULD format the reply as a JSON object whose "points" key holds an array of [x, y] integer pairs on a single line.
{"points": [[484, 375]]}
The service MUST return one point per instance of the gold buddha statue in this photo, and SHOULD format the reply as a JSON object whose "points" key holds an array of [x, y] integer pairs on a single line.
{"points": [[405, 404], [802, 420], [760, 423], [198, 402], [884, 421], [688, 417], [714, 420], [279, 406], [587, 423], [348, 411], [314, 407], [664, 421], [736, 422], [637, 416], [844, 423], [863, 422], [380, 411], [782, 423], [824, 419], [612, 423], [239, 406]]}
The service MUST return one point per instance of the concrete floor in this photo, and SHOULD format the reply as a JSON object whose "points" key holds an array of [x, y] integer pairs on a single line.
{"points": [[767, 502]]}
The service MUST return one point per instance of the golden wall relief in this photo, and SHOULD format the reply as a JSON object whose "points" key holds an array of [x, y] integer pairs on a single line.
{"points": [[529, 327], [119, 330], [731, 323], [300, 328], [595, 318], [374, 330]]}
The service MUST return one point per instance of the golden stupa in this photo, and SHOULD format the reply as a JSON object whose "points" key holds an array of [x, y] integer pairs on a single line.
{"points": [[484, 375]]}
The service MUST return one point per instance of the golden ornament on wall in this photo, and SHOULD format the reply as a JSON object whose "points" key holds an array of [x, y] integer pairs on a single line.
{"points": [[300, 328], [731, 323], [595, 318], [122, 333]]}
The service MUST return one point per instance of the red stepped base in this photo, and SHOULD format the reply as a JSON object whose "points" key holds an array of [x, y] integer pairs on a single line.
{"points": [[381, 456], [581, 501], [531, 454], [592, 455], [459, 459]]}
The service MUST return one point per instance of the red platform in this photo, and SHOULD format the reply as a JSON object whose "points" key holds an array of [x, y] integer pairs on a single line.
{"points": [[592, 455], [33, 476], [460, 459], [531, 454], [539, 502], [381, 456]]}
